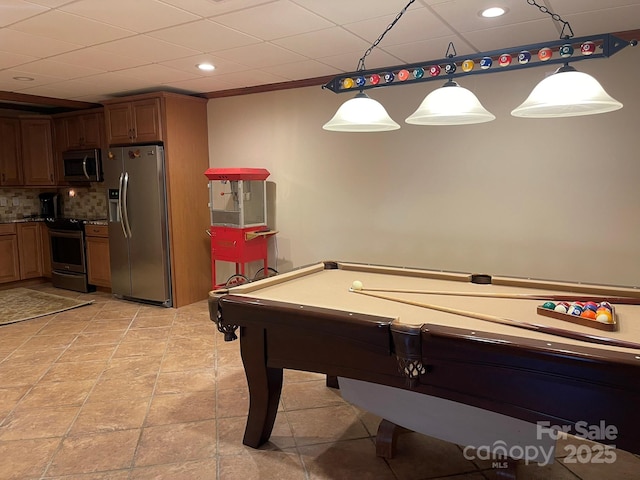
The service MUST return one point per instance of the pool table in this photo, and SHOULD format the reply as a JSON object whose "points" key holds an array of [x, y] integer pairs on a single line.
{"points": [[311, 319]]}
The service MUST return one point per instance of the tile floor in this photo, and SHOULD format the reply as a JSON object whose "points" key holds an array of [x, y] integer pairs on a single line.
{"points": [[118, 390]]}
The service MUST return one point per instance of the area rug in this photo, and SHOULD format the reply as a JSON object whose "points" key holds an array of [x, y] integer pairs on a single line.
{"points": [[18, 304]]}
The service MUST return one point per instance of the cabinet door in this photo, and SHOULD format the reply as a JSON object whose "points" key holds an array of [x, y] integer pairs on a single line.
{"points": [[73, 128], [146, 120], [37, 152], [118, 122], [10, 155], [29, 241], [98, 262], [9, 260], [91, 130]]}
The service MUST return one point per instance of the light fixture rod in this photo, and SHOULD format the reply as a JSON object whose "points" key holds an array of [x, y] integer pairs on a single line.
{"points": [[607, 45]]}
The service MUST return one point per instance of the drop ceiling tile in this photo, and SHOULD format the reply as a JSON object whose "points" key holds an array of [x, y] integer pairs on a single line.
{"points": [[209, 8], [348, 62], [158, 73], [426, 50], [189, 64], [117, 82], [139, 15], [146, 49], [323, 43], [342, 12], [260, 55], [251, 78], [203, 84], [58, 69], [302, 70], [51, 3], [525, 33], [70, 28], [33, 45], [8, 59], [605, 21], [17, 10], [7, 76], [204, 36], [94, 58], [274, 20], [417, 24]]}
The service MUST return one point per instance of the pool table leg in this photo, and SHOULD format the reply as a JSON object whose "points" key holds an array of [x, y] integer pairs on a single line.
{"points": [[387, 437], [265, 386]]}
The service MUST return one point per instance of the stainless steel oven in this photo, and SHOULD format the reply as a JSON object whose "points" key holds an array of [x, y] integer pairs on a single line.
{"points": [[68, 257]]}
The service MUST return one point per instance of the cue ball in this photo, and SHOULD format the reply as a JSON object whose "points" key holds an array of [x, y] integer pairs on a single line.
{"points": [[356, 285], [561, 308]]}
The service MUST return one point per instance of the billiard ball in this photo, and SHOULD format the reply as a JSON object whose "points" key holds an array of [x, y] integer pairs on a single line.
{"points": [[606, 305], [549, 305], [575, 310], [587, 313], [604, 316], [504, 60], [588, 48], [524, 57], [356, 285], [374, 79], [347, 83], [403, 75], [434, 70], [545, 54], [486, 63], [467, 65], [566, 50], [450, 68], [561, 307], [418, 72], [389, 77], [360, 81]]}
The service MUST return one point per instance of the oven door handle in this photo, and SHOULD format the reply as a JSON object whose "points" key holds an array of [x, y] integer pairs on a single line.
{"points": [[125, 205], [120, 216], [84, 167]]}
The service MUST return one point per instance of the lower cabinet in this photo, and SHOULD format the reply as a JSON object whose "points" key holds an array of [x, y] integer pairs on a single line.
{"points": [[46, 250], [20, 251], [98, 263], [9, 256]]}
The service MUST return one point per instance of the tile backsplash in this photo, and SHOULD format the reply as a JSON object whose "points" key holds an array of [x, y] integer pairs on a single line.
{"points": [[78, 202]]}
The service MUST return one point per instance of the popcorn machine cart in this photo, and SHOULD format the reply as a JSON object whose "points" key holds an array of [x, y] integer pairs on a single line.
{"points": [[238, 231]]}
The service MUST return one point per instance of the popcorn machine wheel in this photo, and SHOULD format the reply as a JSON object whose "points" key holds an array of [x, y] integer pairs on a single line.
{"points": [[238, 231]]}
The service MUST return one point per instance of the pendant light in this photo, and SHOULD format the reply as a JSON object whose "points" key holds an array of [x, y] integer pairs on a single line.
{"points": [[450, 104], [361, 114], [566, 93]]}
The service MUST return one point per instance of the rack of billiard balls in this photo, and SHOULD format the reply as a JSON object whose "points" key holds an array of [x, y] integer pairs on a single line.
{"points": [[600, 315]]}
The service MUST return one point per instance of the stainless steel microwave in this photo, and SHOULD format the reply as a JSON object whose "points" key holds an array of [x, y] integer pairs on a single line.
{"points": [[82, 165]]}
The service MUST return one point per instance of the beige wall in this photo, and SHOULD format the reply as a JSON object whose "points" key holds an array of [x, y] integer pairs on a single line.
{"points": [[554, 198]]}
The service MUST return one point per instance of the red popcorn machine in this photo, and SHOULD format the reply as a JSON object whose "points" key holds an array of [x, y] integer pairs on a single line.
{"points": [[238, 231]]}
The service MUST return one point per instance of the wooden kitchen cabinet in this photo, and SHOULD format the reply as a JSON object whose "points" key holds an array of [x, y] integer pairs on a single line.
{"points": [[9, 256], [30, 250], [98, 261], [10, 153], [78, 131], [37, 152], [138, 121]]}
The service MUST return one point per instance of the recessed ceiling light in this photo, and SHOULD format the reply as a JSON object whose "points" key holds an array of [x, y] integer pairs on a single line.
{"points": [[207, 67], [493, 12], [24, 79]]}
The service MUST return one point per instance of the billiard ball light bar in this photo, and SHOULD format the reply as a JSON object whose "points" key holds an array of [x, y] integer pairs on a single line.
{"points": [[514, 58]]}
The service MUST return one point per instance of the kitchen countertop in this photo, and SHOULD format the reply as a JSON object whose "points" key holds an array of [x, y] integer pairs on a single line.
{"points": [[22, 220]]}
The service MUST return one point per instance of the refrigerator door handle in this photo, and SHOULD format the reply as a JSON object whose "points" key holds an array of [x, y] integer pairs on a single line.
{"points": [[125, 206], [120, 192]]}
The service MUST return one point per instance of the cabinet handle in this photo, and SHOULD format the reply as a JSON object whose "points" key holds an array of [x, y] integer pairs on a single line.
{"points": [[51, 177], [3, 177]]}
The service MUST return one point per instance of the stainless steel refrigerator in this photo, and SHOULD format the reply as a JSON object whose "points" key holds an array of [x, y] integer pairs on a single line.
{"points": [[138, 224]]}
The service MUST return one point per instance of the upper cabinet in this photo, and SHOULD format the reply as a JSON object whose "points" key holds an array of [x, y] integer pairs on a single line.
{"points": [[37, 151], [136, 121], [10, 155], [79, 131]]}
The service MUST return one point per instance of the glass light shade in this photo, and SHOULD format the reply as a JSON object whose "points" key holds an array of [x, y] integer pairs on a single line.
{"points": [[361, 114], [450, 104], [567, 93]]}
